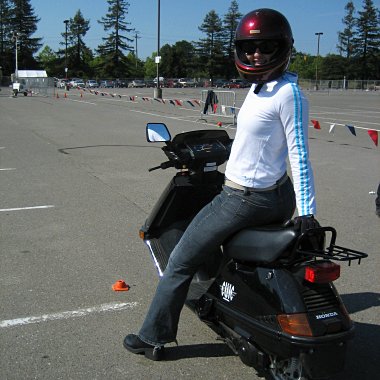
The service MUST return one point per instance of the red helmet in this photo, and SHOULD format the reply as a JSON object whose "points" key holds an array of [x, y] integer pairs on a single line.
{"points": [[273, 29]]}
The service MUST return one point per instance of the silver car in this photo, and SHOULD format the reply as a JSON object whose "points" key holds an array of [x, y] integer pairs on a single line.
{"points": [[92, 83]]}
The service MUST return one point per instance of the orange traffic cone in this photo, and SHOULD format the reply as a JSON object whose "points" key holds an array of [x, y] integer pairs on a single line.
{"points": [[219, 124], [57, 96], [81, 94], [120, 286], [65, 95]]}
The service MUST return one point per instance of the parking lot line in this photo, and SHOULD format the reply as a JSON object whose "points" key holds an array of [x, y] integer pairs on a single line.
{"points": [[82, 101], [115, 306], [26, 208]]}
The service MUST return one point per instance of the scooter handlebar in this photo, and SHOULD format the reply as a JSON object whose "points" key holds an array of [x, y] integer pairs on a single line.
{"points": [[163, 166]]}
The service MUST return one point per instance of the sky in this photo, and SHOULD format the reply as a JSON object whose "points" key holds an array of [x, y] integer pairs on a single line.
{"points": [[180, 19]]}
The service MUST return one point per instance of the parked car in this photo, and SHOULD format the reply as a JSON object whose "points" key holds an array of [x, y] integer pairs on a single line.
{"points": [[173, 83], [237, 83], [92, 83], [150, 83], [79, 83], [107, 84], [162, 82], [220, 83], [137, 83], [74, 82], [62, 83], [121, 83], [187, 82]]}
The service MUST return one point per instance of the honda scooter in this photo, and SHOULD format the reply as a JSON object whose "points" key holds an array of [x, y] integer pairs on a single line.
{"points": [[269, 294]]}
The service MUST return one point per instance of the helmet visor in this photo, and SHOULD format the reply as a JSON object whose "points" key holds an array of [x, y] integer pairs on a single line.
{"points": [[264, 46]]}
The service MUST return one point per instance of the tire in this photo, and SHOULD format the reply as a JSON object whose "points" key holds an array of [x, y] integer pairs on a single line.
{"points": [[288, 369]]}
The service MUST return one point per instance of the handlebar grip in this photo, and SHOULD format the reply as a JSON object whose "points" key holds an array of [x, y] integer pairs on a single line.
{"points": [[155, 168], [167, 164], [163, 165]]}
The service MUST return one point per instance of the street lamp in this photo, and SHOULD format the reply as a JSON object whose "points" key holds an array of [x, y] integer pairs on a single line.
{"points": [[66, 22], [158, 90], [136, 54], [319, 34], [15, 38]]}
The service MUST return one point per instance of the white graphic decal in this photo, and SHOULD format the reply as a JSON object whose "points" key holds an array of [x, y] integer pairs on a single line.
{"points": [[227, 291]]}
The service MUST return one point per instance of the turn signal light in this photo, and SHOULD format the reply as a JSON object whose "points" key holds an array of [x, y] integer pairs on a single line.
{"points": [[322, 272], [142, 234], [295, 324]]}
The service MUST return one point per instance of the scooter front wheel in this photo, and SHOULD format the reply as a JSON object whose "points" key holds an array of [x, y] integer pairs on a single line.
{"points": [[288, 369]]}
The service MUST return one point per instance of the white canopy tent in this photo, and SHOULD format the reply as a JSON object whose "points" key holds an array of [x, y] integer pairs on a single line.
{"points": [[32, 74]]}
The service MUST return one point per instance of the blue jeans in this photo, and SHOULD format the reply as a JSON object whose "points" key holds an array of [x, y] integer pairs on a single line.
{"points": [[229, 212]]}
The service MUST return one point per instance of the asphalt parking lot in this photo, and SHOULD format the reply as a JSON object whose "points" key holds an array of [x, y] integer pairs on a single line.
{"points": [[75, 189]]}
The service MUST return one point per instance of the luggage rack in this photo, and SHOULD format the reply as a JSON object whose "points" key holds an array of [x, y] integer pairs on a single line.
{"points": [[337, 253], [333, 251]]}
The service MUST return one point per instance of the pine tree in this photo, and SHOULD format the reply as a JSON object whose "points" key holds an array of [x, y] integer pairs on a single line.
{"points": [[112, 51], [210, 49], [345, 38], [5, 37], [78, 53], [230, 22], [23, 22], [368, 38]]}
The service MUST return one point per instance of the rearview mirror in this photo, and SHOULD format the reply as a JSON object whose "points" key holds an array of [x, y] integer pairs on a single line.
{"points": [[157, 132]]}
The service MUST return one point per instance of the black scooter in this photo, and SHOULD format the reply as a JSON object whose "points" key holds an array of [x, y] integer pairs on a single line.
{"points": [[270, 295]]}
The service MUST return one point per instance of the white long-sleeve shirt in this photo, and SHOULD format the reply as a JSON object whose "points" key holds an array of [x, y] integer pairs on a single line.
{"points": [[271, 126]]}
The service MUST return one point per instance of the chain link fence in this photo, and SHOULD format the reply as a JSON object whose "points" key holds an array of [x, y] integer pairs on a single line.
{"points": [[37, 86], [340, 84]]}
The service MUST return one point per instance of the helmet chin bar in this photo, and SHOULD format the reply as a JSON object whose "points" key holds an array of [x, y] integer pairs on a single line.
{"points": [[264, 73]]}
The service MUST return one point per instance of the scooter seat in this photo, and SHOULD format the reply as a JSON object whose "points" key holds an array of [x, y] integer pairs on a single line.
{"points": [[261, 244]]}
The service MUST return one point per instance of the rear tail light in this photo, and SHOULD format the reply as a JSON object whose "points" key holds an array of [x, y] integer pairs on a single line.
{"points": [[295, 324], [322, 272]]}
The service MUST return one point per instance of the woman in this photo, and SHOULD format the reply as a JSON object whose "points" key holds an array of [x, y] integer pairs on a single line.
{"points": [[271, 127]]}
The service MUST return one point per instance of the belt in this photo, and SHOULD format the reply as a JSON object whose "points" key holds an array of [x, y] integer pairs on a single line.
{"points": [[236, 186]]}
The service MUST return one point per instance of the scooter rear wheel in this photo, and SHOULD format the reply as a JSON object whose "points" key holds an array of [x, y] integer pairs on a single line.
{"points": [[288, 369]]}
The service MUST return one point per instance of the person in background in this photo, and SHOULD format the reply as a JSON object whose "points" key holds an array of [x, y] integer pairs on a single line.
{"points": [[272, 126]]}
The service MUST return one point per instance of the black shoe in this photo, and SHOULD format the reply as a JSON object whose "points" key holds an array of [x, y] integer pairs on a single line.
{"points": [[134, 344]]}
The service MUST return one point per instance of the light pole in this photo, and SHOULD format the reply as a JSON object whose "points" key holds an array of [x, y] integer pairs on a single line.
{"points": [[158, 90], [15, 38], [136, 54], [319, 34], [66, 22]]}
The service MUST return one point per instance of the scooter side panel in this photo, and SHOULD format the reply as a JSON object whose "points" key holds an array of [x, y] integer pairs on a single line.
{"points": [[259, 291], [181, 200]]}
